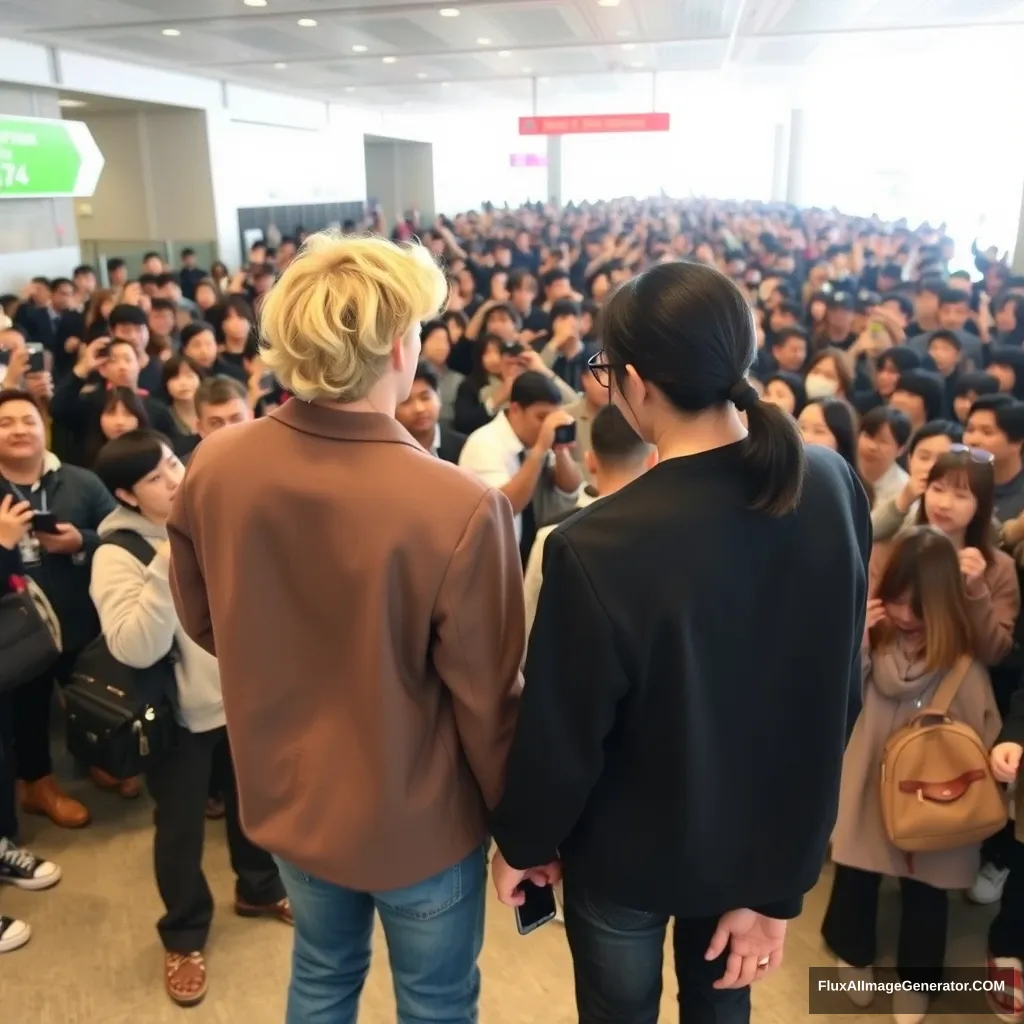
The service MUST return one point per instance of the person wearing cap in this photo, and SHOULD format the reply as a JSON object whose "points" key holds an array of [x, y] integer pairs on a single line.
{"points": [[130, 323], [837, 329]]}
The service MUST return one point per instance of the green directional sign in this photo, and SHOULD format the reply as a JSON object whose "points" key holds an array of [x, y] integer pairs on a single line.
{"points": [[40, 158]]}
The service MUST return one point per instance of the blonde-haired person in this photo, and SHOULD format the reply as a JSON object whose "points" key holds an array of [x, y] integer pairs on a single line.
{"points": [[365, 602]]}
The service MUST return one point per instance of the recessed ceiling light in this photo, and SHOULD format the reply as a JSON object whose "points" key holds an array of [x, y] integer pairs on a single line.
{"points": [[280, 66], [607, 3], [527, 71], [449, 12], [307, 22], [636, 64], [389, 60], [69, 104], [350, 88], [444, 85], [359, 48], [629, 46], [504, 53], [255, 3], [170, 32], [422, 74], [483, 41]]}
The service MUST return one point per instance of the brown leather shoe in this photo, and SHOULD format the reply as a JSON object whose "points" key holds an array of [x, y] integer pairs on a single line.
{"points": [[127, 789], [185, 977], [44, 796], [280, 911]]}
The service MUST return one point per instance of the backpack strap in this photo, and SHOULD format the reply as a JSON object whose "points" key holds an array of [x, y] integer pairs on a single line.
{"points": [[135, 544], [950, 686]]}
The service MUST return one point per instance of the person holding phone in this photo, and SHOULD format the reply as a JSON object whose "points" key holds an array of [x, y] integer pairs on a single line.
{"points": [[56, 551], [519, 453], [664, 717]]}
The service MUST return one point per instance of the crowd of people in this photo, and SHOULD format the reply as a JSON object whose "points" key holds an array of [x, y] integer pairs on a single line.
{"points": [[670, 415]]}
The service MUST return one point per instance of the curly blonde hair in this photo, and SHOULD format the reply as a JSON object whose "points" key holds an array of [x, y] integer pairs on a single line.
{"points": [[329, 324]]}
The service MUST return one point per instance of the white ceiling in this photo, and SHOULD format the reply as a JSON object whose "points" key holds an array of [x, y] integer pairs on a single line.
{"points": [[545, 39]]}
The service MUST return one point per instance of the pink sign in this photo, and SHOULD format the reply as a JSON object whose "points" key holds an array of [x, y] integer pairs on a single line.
{"points": [[528, 160]]}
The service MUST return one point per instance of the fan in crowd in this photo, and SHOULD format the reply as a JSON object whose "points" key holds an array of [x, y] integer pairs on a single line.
{"points": [[556, 355]]}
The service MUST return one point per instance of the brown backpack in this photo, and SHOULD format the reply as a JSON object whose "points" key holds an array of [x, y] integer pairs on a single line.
{"points": [[937, 789]]}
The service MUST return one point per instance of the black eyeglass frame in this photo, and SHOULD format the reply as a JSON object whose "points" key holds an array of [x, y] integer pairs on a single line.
{"points": [[602, 371]]}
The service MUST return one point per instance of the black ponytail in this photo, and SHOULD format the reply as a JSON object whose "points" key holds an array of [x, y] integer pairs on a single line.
{"points": [[773, 455]]}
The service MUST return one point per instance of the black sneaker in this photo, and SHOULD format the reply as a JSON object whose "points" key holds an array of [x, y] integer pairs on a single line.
{"points": [[13, 934], [25, 870]]}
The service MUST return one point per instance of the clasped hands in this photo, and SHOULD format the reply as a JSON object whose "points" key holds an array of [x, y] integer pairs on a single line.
{"points": [[754, 942]]}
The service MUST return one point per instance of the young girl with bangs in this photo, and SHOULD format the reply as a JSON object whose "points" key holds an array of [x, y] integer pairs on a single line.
{"points": [[958, 501], [919, 624]]}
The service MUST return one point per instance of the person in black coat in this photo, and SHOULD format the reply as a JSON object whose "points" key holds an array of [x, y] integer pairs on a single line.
{"points": [[420, 415], [58, 558], [675, 751]]}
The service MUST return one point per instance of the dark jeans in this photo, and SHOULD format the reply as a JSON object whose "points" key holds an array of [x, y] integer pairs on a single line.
{"points": [[617, 962], [179, 784], [1006, 933], [8, 812], [31, 703], [851, 924]]}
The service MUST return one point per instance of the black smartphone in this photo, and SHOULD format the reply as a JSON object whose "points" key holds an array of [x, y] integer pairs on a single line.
{"points": [[565, 435], [511, 348], [44, 522], [538, 909], [36, 357]]}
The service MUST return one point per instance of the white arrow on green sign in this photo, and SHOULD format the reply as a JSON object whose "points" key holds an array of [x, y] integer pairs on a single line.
{"points": [[47, 158]]}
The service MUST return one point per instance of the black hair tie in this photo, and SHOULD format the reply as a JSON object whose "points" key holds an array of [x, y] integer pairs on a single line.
{"points": [[743, 395]]}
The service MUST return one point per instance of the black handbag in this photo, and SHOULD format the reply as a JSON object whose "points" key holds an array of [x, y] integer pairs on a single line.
{"points": [[28, 646], [119, 718]]}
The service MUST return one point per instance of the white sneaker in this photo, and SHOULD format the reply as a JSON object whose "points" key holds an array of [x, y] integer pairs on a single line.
{"points": [[988, 886], [1007, 1005], [13, 934], [849, 974], [909, 1007], [25, 870]]}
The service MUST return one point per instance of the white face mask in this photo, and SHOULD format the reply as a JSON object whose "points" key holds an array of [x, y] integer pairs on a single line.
{"points": [[819, 386]]}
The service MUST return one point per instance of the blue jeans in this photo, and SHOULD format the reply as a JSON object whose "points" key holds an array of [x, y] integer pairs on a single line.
{"points": [[617, 962], [434, 931]]}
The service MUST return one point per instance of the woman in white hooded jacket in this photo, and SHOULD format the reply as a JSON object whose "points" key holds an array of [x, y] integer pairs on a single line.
{"points": [[140, 627]]}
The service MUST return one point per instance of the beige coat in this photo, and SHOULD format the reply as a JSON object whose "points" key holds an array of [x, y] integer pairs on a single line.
{"points": [[894, 691]]}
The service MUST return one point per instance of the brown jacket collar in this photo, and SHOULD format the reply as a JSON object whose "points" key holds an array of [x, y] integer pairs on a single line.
{"points": [[342, 426]]}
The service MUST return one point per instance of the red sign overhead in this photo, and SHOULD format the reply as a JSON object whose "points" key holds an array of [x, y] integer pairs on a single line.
{"points": [[586, 124]]}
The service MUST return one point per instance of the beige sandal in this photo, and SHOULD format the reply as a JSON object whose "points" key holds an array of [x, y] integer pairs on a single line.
{"points": [[185, 977]]}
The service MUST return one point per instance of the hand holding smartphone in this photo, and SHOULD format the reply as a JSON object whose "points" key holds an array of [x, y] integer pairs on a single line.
{"points": [[537, 909]]}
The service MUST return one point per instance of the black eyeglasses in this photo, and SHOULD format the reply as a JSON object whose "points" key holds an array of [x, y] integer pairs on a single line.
{"points": [[976, 454], [600, 368]]}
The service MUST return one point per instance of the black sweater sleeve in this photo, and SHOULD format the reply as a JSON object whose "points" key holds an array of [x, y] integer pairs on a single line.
{"points": [[470, 413], [574, 681], [69, 407], [1013, 725], [862, 524]]}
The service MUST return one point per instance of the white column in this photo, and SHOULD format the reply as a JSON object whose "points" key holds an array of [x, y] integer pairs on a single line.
{"points": [[795, 173], [555, 169], [780, 164], [1018, 253]]}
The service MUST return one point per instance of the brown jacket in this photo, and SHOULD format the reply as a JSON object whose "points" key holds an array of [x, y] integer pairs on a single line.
{"points": [[993, 601], [894, 691], [365, 601]]}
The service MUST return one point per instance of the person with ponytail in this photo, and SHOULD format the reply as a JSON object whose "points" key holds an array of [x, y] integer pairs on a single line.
{"points": [[665, 719]]}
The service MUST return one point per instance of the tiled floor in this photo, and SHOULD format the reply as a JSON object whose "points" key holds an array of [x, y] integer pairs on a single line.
{"points": [[94, 956]]}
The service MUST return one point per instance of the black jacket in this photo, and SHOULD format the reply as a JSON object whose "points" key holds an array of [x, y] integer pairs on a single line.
{"points": [[452, 443], [76, 406], [691, 674], [78, 497]]}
